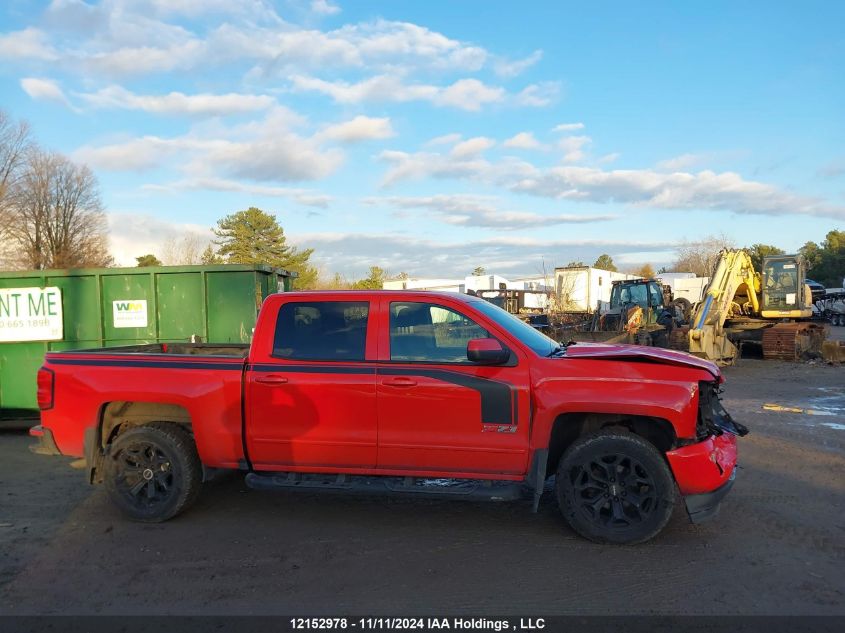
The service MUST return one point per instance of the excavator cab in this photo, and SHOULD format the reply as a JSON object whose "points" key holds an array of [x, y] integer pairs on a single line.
{"points": [[784, 293]]}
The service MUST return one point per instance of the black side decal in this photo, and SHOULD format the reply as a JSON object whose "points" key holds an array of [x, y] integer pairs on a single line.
{"points": [[498, 399]]}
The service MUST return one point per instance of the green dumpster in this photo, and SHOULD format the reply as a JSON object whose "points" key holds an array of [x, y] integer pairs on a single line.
{"points": [[47, 310]]}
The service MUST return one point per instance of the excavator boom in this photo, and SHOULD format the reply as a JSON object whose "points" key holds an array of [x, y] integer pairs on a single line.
{"points": [[769, 303], [733, 290]]}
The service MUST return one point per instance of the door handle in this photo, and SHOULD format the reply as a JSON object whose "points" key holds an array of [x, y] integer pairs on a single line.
{"points": [[271, 380], [399, 382]]}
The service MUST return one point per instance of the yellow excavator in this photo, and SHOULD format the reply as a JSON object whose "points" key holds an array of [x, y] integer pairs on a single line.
{"points": [[741, 304]]}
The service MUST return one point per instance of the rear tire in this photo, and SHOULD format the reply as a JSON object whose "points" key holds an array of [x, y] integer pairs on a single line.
{"points": [[153, 472], [615, 487]]}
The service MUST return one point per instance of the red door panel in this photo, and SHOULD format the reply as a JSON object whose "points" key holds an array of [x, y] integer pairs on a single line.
{"points": [[451, 419], [311, 416]]}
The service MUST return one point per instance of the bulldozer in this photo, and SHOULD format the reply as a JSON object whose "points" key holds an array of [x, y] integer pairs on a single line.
{"points": [[772, 307], [640, 311]]}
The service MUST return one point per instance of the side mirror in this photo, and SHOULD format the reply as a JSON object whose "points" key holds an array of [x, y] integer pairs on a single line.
{"points": [[487, 351]]}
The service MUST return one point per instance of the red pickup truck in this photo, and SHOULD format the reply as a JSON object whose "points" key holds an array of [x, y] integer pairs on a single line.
{"points": [[414, 392]]}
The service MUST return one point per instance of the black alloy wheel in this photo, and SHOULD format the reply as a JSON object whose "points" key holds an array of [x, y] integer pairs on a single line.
{"points": [[153, 472], [614, 490], [615, 487]]}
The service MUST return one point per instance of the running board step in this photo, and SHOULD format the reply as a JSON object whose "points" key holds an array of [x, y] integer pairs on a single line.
{"points": [[378, 485]]}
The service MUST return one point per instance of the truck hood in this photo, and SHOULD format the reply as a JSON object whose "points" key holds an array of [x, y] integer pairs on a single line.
{"points": [[608, 351]]}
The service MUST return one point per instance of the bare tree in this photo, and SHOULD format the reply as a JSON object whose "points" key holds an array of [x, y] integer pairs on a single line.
{"points": [[183, 251], [15, 143], [57, 218], [700, 257]]}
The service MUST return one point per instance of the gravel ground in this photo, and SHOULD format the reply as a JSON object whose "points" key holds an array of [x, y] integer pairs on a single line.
{"points": [[777, 547]]}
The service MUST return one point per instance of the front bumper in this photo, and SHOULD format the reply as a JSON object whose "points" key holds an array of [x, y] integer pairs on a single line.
{"points": [[704, 466], [705, 473], [46, 445], [704, 507]]}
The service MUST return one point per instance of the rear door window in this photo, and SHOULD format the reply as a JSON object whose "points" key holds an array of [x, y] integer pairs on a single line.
{"points": [[322, 330]]}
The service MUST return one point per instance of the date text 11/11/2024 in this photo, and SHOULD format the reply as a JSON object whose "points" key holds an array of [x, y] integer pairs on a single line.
{"points": [[419, 624]]}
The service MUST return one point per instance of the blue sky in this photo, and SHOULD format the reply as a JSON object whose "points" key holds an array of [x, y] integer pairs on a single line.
{"points": [[433, 137]]}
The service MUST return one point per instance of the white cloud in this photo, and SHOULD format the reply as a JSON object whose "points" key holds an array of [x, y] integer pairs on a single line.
{"points": [[512, 68], [469, 94], [465, 94], [46, 89], [361, 128], [305, 197], [134, 234], [142, 60], [261, 9], [132, 37], [608, 158], [179, 103], [30, 43], [138, 154], [705, 190], [446, 139], [523, 140], [263, 150], [420, 165], [282, 158], [481, 211], [680, 163], [472, 147], [646, 188], [573, 147], [568, 127], [538, 95], [324, 7]]}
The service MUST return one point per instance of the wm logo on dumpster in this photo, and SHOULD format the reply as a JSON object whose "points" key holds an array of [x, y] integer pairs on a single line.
{"points": [[130, 313]]}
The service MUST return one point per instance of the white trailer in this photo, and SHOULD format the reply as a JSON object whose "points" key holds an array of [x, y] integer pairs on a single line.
{"points": [[416, 283], [685, 285], [583, 288]]}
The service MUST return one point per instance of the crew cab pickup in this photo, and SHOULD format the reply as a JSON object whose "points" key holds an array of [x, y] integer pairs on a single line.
{"points": [[394, 391]]}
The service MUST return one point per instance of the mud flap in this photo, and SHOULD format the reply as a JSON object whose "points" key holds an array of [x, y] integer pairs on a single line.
{"points": [[537, 477]]}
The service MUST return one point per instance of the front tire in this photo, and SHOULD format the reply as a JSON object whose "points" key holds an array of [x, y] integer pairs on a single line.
{"points": [[615, 487], [153, 472]]}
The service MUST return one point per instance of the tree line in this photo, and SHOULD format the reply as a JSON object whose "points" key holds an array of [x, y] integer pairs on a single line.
{"points": [[825, 261]]}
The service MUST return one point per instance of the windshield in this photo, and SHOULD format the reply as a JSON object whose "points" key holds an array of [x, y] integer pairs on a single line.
{"points": [[781, 289], [538, 342]]}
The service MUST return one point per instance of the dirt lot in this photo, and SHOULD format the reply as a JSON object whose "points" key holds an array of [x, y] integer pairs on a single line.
{"points": [[778, 546]]}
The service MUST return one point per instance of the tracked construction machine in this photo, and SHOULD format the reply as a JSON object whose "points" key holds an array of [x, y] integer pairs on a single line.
{"points": [[773, 308]]}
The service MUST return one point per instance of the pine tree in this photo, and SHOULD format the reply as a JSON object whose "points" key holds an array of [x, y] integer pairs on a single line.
{"points": [[255, 237], [210, 257], [605, 262], [148, 260], [375, 280]]}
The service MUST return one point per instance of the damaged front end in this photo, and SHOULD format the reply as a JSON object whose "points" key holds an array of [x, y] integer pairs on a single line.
{"points": [[705, 470], [713, 419]]}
